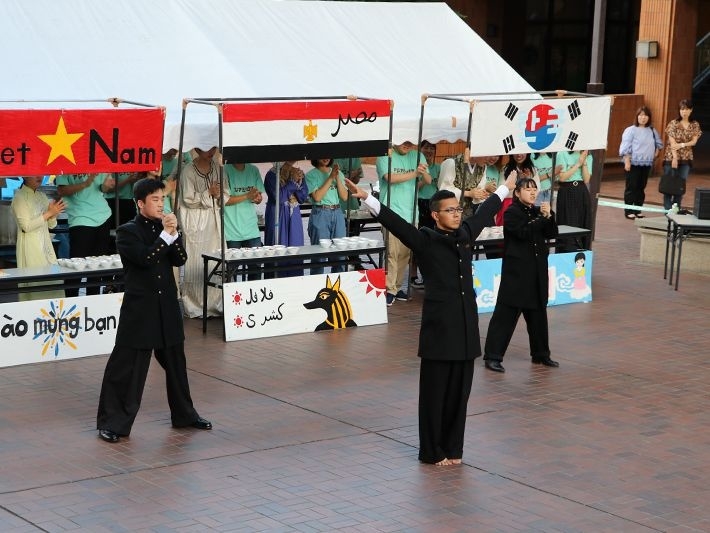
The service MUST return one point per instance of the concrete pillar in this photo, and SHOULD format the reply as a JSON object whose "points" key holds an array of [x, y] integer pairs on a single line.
{"points": [[667, 79]]}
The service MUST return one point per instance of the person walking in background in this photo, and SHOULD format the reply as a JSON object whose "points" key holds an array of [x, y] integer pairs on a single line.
{"points": [[448, 337], [89, 216], [574, 206], [241, 224], [200, 200], [640, 145], [524, 278], [150, 320], [683, 135], [290, 189], [35, 215], [398, 189]]}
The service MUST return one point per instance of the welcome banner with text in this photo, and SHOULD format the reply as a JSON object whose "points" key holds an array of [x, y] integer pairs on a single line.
{"points": [[37, 142], [296, 130], [554, 125], [58, 329]]}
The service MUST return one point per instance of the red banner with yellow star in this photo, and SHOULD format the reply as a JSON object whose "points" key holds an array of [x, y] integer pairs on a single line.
{"points": [[75, 141]]}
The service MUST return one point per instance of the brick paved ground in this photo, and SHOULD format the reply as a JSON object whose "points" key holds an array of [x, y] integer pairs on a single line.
{"points": [[318, 432]]}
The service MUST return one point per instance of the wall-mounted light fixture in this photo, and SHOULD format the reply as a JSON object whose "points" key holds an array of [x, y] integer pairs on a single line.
{"points": [[646, 49]]}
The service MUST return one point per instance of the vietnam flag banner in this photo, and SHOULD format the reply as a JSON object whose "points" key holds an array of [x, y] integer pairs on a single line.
{"points": [[296, 130], [60, 141]]}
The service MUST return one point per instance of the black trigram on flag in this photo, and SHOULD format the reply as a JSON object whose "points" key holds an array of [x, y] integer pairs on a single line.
{"points": [[511, 111], [508, 144], [571, 140], [573, 110]]}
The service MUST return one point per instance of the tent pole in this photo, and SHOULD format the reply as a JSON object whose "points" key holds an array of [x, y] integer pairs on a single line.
{"points": [[277, 208], [221, 204], [179, 162]]}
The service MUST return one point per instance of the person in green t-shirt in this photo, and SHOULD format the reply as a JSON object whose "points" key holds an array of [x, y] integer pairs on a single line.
{"points": [[89, 216], [326, 188], [241, 226], [397, 190], [126, 205], [426, 190]]}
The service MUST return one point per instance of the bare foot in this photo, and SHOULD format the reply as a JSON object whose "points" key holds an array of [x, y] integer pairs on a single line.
{"points": [[443, 462], [455, 461]]}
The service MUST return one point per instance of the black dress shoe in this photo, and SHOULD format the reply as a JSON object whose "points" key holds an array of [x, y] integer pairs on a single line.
{"points": [[201, 423], [108, 435], [495, 366], [546, 361]]}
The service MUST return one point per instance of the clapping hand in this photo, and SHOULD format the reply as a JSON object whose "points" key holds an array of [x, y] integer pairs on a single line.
{"points": [[545, 209], [254, 196], [170, 223], [56, 207], [109, 183], [355, 191], [334, 171], [296, 175], [511, 180], [214, 190]]}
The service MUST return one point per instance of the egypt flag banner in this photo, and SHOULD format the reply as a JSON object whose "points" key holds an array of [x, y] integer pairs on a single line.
{"points": [[549, 125], [295, 130], [37, 142]]}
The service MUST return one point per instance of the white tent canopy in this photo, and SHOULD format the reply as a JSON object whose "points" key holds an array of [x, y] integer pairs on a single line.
{"points": [[162, 51]]}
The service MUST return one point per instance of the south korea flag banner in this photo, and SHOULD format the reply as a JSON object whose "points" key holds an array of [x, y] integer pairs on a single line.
{"points": [[257, 132], [500, 127]]}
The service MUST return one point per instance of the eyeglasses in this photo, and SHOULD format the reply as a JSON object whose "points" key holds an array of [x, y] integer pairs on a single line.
{"points": [[451, 210]]}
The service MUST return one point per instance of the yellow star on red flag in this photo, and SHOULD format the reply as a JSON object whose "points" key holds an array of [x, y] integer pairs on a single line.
{"points": [[61, 142]]}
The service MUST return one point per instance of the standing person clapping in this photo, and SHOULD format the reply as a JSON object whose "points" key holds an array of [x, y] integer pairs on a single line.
{"points": [[35, 215], [524, 279], [150, 320]]}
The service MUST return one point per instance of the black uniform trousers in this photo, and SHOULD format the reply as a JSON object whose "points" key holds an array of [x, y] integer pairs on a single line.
{"points": [[502, 326], [444, 388], [124, 380]]}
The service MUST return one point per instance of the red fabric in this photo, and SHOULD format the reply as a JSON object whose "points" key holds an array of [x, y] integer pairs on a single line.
{"points": [[499, 214], [76, 141]]}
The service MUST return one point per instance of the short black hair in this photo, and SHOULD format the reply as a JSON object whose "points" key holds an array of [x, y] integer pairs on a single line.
{"points": [[144, 187], [314, 162], [438, 197], [524, 183]]}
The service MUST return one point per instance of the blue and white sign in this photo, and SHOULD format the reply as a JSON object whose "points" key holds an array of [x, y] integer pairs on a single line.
{"points": [[570, 279]]}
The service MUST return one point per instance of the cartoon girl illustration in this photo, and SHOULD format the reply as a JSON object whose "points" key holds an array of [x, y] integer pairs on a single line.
{"points": [[580, 289]]}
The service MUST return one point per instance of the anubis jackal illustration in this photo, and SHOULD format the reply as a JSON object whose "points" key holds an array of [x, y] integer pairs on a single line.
{"points": [[335, 303]]}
